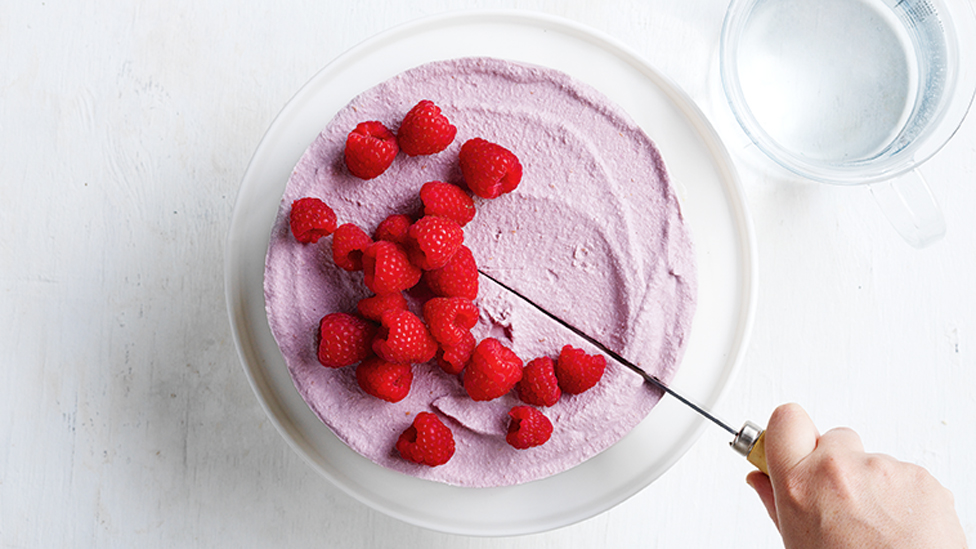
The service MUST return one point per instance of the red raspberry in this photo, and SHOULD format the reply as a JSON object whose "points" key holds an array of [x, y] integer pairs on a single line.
{"points": [[425, 130], [578, 371], [370, 149], [311, 219], [492, 371], [372, 308], [449, 318], [447, 200], [387, 270], [404, 338], [528, 428], [489, 169], [389, 381], [539, 385], [393, 229], [459, 278], [348, 244], [427, 441], [452, 358], [344, 339], [432, 241]]}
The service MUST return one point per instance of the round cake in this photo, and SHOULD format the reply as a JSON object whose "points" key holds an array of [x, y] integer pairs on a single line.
{"points": [[593, 234]]}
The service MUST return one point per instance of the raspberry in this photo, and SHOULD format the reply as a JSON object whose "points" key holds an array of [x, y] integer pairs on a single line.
{"points": [[528, 428], [403, 338], [372, 308], [344, 339], [348, 244], [311, 219], [459, 278], [452, 358], [387, 270], [447, 200], [449, 318], [492, 371], [389, 381], [539, 385], [578, 371], [427, 441], [432, 241], [393, 229], [370, 149], [489, 169], [424, 130]]}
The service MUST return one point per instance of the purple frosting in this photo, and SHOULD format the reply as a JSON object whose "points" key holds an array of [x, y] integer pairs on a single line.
{"points": [[593, 233]]}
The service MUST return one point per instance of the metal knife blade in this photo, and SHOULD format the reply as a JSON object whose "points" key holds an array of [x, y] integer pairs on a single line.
{"points": [[748, 441]]}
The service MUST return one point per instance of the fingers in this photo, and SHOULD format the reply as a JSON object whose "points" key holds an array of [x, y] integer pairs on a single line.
{"points": [[764, 488], [790, 437], [841, 439]]}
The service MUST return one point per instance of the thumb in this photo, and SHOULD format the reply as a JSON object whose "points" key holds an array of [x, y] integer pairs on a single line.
{"points": [[764, 488], [790, 437]]}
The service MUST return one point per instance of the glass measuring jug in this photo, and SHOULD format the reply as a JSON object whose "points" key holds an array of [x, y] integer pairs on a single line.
{"points": [[854, 92]]}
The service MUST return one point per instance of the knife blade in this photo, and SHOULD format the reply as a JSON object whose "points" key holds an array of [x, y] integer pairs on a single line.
{"points": [[748, 441]]}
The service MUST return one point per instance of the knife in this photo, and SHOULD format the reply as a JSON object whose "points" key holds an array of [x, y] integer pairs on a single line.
{"points": [[749, 441]]}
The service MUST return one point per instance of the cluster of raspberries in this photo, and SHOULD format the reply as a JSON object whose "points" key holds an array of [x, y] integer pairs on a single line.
{"points": [[384, 339]]}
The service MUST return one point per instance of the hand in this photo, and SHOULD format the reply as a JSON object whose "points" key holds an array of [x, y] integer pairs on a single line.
{"points": [[825, 492]]}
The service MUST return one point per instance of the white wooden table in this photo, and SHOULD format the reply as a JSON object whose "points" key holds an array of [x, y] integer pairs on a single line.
{"points": [[125, 416]]}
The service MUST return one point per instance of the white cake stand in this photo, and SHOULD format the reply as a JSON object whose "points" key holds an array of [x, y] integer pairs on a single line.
{"points": [[712, 203]]}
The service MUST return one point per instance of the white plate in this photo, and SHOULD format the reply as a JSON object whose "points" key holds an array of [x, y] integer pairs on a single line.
{"points": [[712, 203]]}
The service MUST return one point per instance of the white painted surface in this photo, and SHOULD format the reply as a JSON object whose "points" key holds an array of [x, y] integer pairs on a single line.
{"points": [[125, 417]]}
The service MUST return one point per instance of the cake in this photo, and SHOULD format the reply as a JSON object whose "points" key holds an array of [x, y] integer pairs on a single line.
{"points": [[593, 234]]}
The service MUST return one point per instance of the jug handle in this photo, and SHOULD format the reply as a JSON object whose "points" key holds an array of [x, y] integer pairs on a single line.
{"points": [[910, 206]]}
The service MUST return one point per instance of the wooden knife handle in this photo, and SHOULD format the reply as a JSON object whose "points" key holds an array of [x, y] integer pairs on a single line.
{"points": [[757, 456]]}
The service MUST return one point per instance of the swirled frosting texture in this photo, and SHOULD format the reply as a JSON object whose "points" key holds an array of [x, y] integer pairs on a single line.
{"points": [[593, 233]]}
